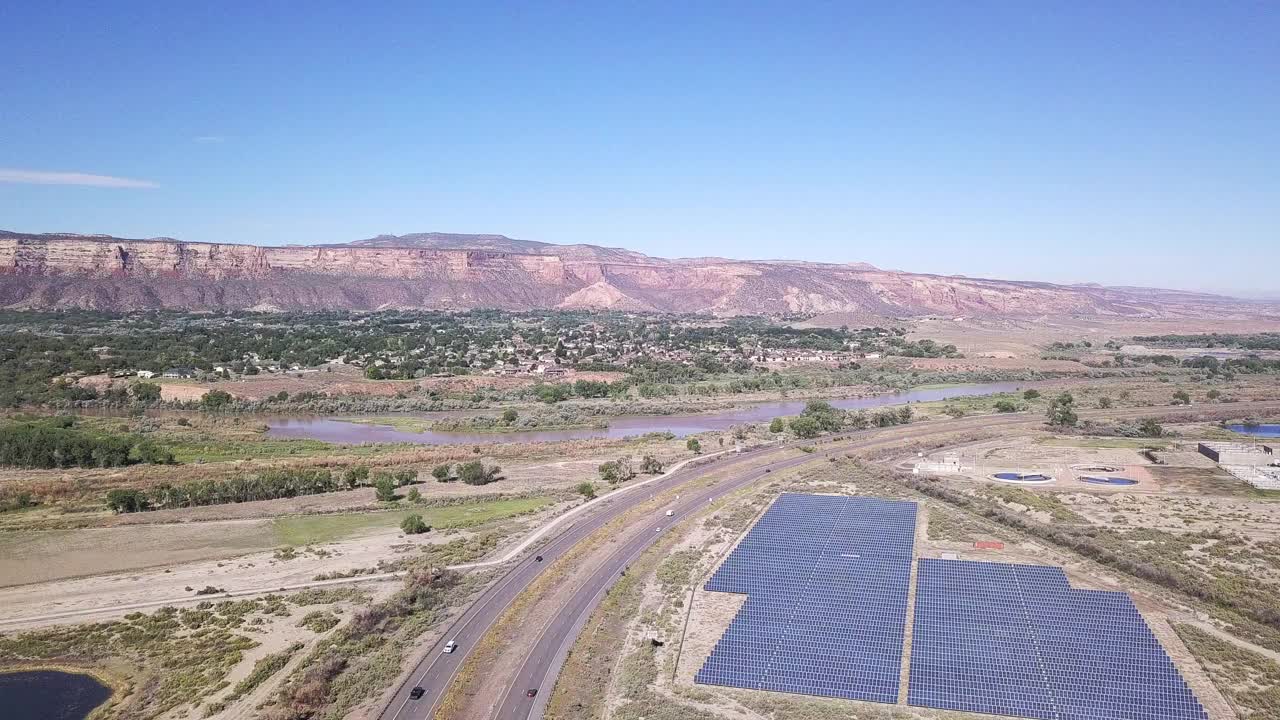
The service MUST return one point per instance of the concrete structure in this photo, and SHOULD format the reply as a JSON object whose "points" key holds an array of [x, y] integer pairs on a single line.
{"points": [[950, 464], [1263, 478], [1235, 453]]}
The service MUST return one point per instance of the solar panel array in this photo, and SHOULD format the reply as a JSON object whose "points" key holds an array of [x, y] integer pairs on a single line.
{"points": [[827, 584], [1019, 640]]}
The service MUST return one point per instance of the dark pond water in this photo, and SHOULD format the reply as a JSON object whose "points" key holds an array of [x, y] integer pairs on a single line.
{"points": [[1108, 480], [1266, 431], [338, 431], [49, 695], [1021, 477]]}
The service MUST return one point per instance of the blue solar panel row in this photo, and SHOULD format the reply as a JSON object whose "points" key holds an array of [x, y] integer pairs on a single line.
{"points": [[827, 583], [1019, 640]]}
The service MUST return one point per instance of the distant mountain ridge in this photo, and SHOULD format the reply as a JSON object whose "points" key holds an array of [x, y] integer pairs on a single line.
{"points": [[457, 271]]}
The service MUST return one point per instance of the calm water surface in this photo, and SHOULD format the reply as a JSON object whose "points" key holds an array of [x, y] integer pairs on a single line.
{"points": [[49, 695], [1265, 431], [338, 431]]}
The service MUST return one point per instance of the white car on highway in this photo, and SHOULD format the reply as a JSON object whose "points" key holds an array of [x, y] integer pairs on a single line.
{"points": [[450, 646]]}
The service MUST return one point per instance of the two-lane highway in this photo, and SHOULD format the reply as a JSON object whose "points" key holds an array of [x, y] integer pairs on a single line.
{"points": [[437, 669]]}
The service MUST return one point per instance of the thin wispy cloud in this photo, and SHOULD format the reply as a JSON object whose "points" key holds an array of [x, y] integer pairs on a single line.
{"points": [[44, 177], [210, 139]]}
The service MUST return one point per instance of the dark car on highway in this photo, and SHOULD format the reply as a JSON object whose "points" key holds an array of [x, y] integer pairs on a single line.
{"points": [[531, 692], [416, 693]]}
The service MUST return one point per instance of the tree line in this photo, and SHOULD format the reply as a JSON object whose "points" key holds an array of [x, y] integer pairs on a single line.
{"points": [[57, 443], [269, 484]]}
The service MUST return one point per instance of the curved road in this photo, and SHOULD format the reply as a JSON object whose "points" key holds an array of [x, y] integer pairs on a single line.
{"points": [[435, 672]]}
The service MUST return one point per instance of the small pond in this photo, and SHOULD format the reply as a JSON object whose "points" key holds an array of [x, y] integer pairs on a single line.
{"points": [[1264, 431], [49, 695]]}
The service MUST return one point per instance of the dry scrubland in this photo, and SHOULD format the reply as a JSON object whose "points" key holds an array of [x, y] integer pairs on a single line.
{"points": [[1187, 525]]}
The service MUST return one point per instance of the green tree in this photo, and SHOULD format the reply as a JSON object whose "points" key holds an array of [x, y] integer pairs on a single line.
{"points": [[414, 525], [477, 473], [827, 417], [1213, 394], [355, 476], [1006, 406], [1150, 427], [215, 399], [1104, 402], [384, 487], [616, 471], [587, 490], [443, 473], [651, 465], [777, 426], [693, 446], [413, 495], [509, 416], [145, 392], [805, 427], [1031, 394], [148, 453], [1062, 411], [1180, 397], [126, 501]]}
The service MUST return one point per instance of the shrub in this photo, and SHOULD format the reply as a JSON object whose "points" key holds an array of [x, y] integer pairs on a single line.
{"points": [[777, 426], [384, 487], [127, 501], [616, 471], [805, 427], [215, 399], [414, 525], [586, 490], [1150, 427], [355, 476], [443, 473], [1062, 412], [145, 392], [477, 473], [1006, 406], [694, 446]]}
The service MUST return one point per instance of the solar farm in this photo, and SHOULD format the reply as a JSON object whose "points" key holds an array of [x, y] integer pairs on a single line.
{"points": [[828, 581]]}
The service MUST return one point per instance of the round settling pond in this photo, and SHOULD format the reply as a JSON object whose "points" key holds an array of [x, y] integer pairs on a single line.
{"points": [[1100, 480], [1097, 469], [1022, 477], [50, 695]]}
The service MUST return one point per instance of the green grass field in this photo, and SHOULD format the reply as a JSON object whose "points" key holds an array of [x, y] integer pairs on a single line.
{"points": [[309, 530], [403, 424]]}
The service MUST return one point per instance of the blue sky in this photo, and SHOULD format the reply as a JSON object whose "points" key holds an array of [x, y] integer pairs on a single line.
{"points": [[1123, 143]]}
